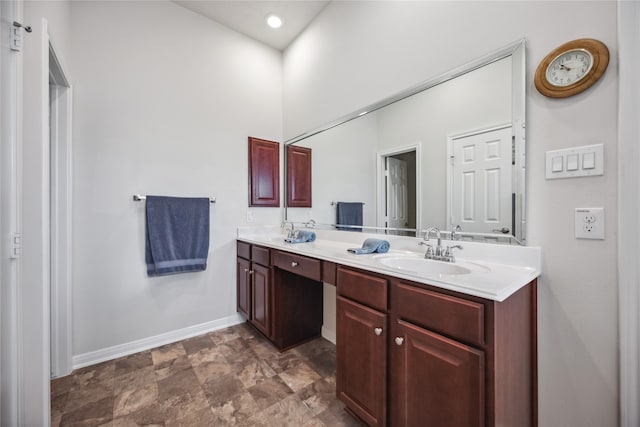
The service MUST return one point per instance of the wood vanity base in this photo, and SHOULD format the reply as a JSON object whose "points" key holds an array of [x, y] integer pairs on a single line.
{"points": [[408, 353]]}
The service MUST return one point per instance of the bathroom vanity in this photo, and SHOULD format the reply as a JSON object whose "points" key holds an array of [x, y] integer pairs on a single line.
{"points": [[412, 349]]}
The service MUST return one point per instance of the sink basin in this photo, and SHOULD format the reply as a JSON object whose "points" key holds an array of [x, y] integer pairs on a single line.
{"points": [[417, 264]]}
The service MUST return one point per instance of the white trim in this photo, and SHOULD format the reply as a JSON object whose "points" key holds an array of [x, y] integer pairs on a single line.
{"points": [[628, 210], [10, 158], [61, 217], [380, 182], [45, 215], [132, 347], [328, 334]]}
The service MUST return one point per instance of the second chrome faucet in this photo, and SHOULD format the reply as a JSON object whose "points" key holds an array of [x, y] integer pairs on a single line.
{"points": [[438, 253]]}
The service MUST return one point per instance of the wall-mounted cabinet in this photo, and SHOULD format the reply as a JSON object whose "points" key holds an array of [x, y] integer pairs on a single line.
{"points": [[264, 173]]}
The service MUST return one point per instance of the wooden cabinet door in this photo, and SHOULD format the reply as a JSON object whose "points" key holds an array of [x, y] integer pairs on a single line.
{"points": [[435, 381], [243, 289], [298, 177], [264, 173], [261, 298], [361, 354]]}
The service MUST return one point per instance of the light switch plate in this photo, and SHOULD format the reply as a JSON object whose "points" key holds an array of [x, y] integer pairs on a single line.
{"points": [[589, 223], [578, 161]]}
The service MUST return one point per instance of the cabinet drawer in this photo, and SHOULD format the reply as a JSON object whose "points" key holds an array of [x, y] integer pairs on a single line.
{"points": [[244, 250], [298, 264], [364, 288], [445, 314], [260, 255]]}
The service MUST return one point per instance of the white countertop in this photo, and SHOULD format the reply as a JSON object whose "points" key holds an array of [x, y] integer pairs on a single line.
{"points": [[498, 271]]}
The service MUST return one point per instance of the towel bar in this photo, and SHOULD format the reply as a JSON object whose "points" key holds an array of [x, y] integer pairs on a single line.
{"points": [[139, 198]]}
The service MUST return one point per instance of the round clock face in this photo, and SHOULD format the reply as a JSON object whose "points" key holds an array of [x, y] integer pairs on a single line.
{"points": [[569, 67]]}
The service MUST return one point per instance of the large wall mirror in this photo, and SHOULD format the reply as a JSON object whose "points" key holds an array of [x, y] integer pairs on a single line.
{"points": [[446, 153]]}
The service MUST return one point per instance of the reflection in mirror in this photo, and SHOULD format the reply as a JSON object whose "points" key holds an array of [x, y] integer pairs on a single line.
{"points": [[448, 153]]}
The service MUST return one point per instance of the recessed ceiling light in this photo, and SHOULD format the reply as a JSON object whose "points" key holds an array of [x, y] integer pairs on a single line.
{"points": [[274, 21]]}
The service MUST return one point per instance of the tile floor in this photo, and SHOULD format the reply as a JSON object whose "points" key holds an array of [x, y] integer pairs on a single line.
{"points": [[231, 377]]}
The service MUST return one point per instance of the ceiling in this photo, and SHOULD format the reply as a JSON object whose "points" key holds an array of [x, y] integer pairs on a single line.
{"points": [[248, 17]]}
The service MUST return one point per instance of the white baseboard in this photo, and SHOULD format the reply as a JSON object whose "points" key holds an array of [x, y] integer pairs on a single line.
{"points": [[132, 347], [328, 334]]}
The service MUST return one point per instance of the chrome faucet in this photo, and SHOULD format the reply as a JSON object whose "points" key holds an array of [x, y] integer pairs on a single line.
{"points": [[448, 257], [431, 252], [455, 232], [291, 234], [438, 254]]}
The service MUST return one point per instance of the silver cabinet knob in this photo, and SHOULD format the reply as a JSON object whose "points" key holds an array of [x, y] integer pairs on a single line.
{"points": [[250, 271], [246, 270], [399, 340], [378, 331], [294, 264]]}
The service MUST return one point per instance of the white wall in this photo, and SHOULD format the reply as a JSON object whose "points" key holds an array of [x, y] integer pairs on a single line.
{"points": [[164, 102], [33, 300], [358, 52]]}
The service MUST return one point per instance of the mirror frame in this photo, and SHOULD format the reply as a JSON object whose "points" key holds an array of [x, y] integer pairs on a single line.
{"points": [[516, 51]]}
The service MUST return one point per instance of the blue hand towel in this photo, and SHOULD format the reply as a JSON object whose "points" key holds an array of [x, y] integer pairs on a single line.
{"points": [[302, 236], [177, 235], [370, 246], [349, 213]]}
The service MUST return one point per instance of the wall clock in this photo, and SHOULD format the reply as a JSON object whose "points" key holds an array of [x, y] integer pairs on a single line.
{"points": [[571, 68]]}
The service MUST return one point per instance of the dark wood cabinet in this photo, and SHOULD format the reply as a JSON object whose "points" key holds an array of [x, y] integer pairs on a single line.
{"points": [[299, 177], [261, 292], [361, 352], [254, 286], [243, 286], [450, 359], [408, 354], [280, 294], [264, 173], [459, 360], [437, 381], [361, 344]]}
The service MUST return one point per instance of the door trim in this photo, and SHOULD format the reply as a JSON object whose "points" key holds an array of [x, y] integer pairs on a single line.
{"points": [[11, 390], [380, 184], [61, 216]]}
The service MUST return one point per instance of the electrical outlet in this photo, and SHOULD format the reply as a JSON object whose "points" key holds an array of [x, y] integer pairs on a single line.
{"points": [[589, 223], [250, 217]]}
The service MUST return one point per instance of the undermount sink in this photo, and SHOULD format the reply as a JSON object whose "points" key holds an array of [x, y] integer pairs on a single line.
{"points": [[417, 264]]}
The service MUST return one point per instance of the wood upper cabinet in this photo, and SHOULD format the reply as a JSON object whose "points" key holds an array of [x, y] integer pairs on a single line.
{"points": [[298, 177], [435, 381], [264, 173], [361, 353]]}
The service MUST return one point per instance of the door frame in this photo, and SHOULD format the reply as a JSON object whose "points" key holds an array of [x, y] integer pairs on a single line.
{"points": [[61, 96], [449, 181], [380, 183], [11, 389]]}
